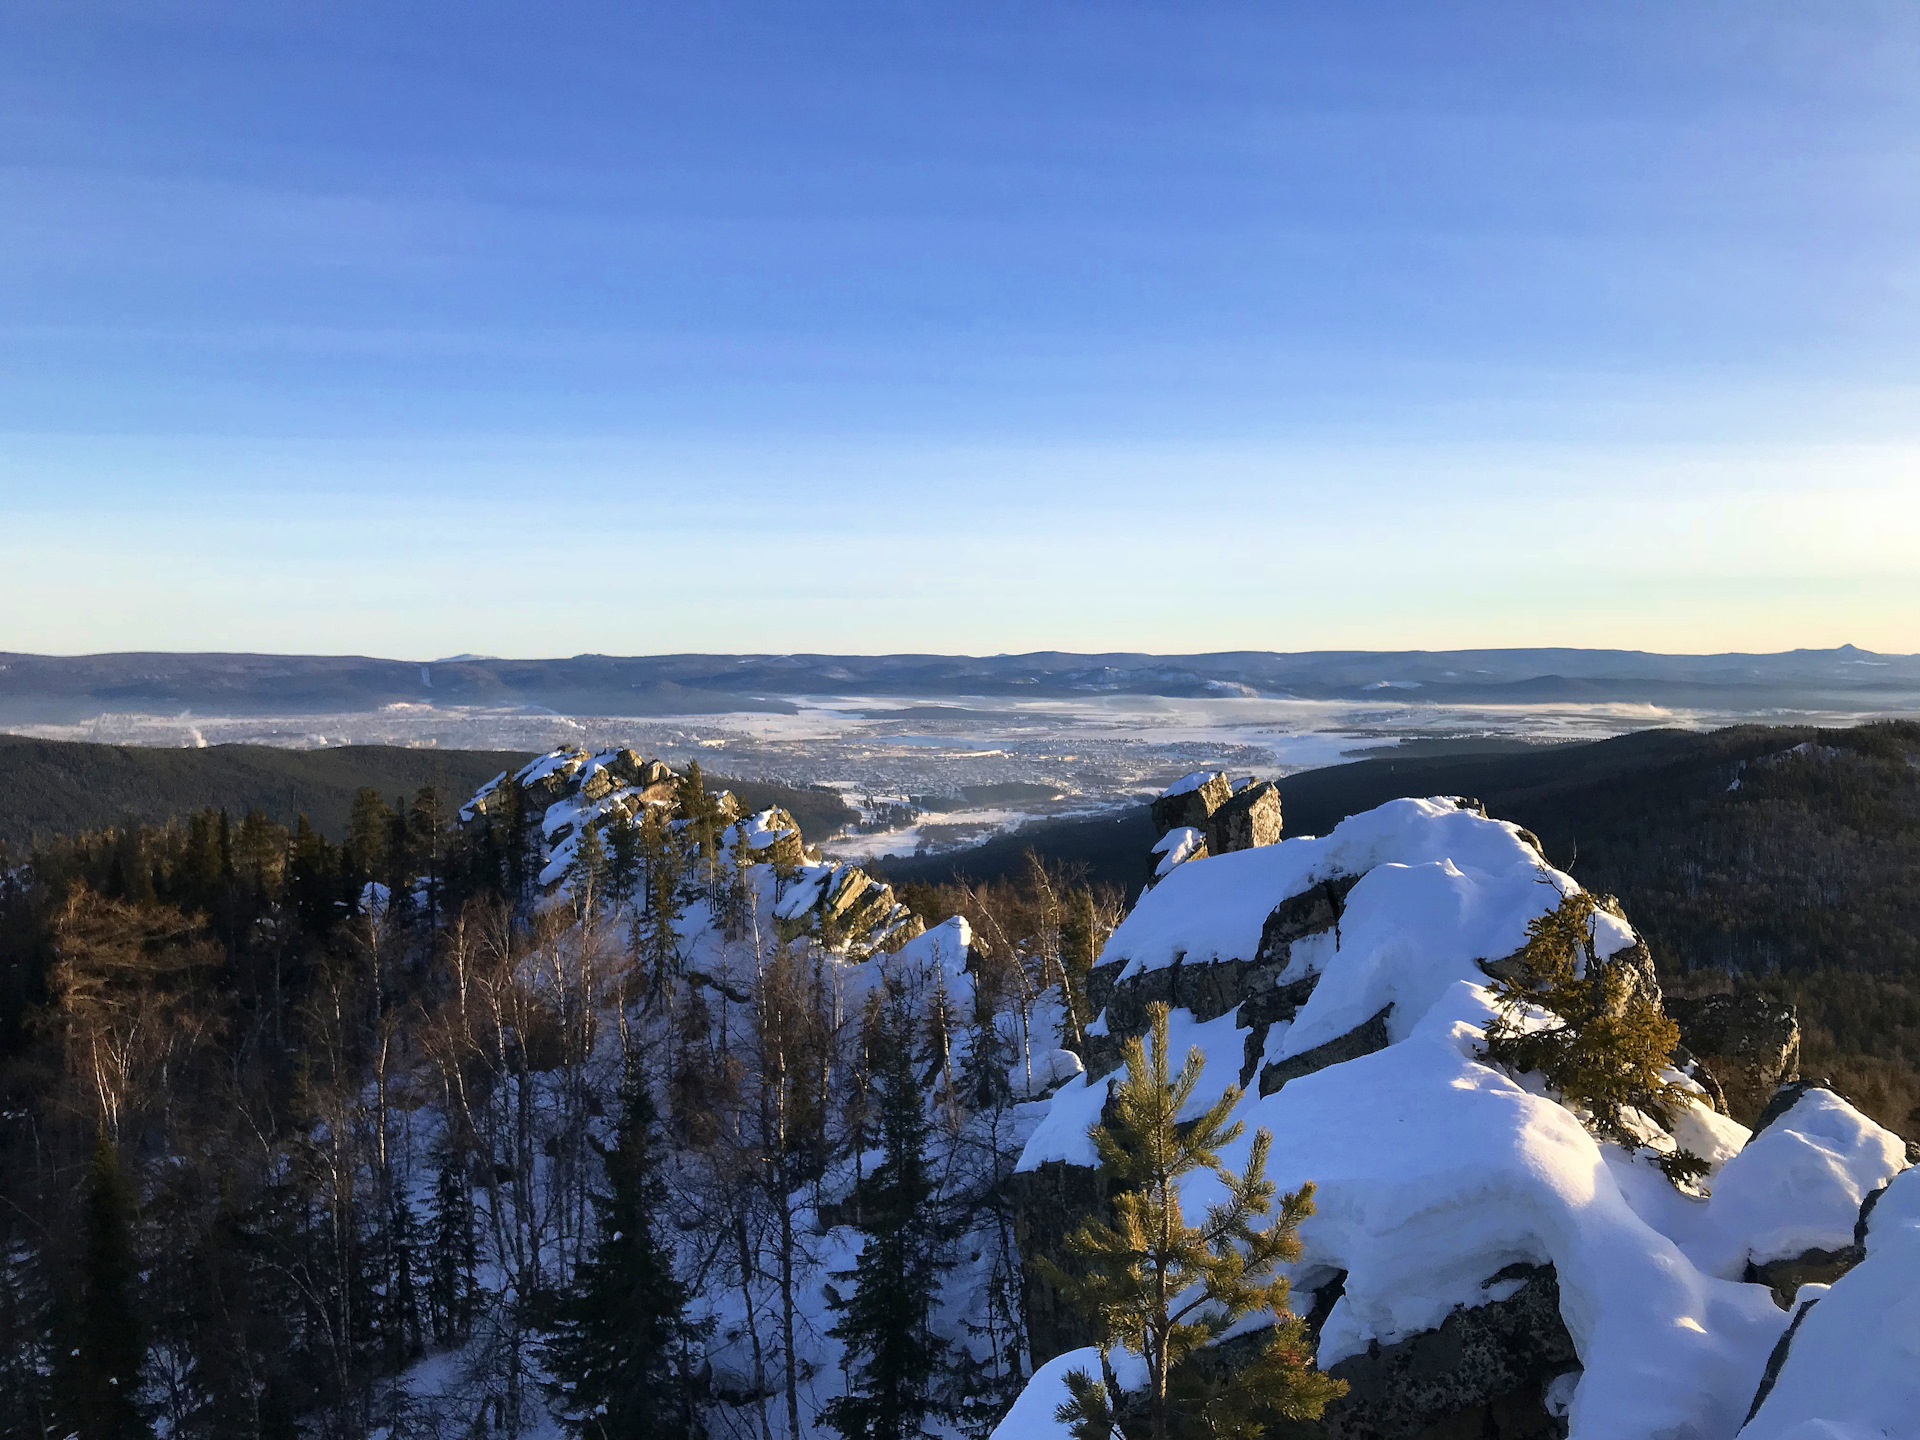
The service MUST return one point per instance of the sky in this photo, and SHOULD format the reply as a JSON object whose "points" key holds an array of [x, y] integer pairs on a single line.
{"points": [[423, 329]]}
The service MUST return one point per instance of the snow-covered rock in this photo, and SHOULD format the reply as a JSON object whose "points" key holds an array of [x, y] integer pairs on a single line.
{"points": [[1850, 1370], [1450, 1193], [569, 791], [1183, 843], [1190, 800]]}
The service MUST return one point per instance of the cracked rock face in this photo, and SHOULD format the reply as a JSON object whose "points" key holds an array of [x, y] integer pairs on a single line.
{"points": [[1363, 1039], [1750, 1042], [1191, 807], [1246, 821], [1484, 1371]]}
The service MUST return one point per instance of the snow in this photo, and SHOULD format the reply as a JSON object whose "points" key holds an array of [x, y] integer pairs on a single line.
{"points": [[1050, 1069], [469, 810], [1063, 1134], [1176, 846], [1187, 784], [803, 892], [758, 830], [1031, 1417], [561, 761], [1435, 1171], [1853, 1371], [1797, 1186], [1214, 910], [1898, 1208], [943, 948]]}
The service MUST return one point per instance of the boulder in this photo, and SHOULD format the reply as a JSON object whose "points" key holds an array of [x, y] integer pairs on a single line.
{"points": [[626, 765], [1811, 1267], [1750, 1042], [1485, 1371], [1778, 1356], [1311, 912], [1190, 801], [1246, 820]]}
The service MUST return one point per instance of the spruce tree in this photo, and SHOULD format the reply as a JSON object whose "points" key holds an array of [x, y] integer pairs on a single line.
{"points": [[623, 861], [1165, 1289], [587, 870], [100, 1347], [453, 1248], [658, 933], [620, 1347], [893, 1355], [25, 1340]]}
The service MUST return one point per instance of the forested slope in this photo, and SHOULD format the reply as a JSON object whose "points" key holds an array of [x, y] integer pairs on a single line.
{"points": [[52, 787]]}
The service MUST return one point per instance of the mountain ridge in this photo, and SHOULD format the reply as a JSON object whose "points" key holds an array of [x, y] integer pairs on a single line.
{"points": [[54, 688]]}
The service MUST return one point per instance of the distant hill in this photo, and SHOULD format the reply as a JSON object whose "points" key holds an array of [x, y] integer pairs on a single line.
{"points": [[36, 689], [50, 787]]}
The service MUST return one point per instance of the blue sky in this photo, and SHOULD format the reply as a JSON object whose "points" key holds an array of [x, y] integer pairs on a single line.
{"points": [[416, 329]]}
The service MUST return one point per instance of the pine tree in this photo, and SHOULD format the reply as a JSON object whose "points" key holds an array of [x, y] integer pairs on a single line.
{"points": [[1606, 1044], [736, 904], [426, 846], [623, 861], [620, 1348], [659, 935], [369, 835], [454, 1253], [892, 1352], [587, 870], [983, 1388], [1164, 1288], [399, 1317], [100, 1347], [698, 809], [24, 1342]]}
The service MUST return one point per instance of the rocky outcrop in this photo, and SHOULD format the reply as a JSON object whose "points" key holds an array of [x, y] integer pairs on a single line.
{"points": [[1634, 961], [1048, 1203], [1750, 1042], [564, 792], [1211, 988], [1363, 1039], [1311, 912], [1485, 1371], [1811, 1267], [1189, 802], [1246, 820]]}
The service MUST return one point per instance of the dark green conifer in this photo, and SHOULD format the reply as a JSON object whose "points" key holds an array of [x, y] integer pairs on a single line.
{"points": [[452, 1288], [893, 1355], [1165, 1288], [100, 1346], [621, 1347], [1606, 1045]]}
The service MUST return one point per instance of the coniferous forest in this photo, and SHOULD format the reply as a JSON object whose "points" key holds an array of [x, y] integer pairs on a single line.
{"points": [[381, 1136]]}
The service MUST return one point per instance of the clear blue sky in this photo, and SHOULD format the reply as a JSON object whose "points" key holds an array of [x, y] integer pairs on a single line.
{"points": [[533, 329]]}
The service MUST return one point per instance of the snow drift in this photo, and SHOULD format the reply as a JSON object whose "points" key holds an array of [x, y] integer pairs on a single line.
{"points": [[1443, 1182]]}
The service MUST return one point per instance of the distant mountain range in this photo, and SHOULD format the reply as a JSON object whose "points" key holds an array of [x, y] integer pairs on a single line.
{"points": [[42, 689]]}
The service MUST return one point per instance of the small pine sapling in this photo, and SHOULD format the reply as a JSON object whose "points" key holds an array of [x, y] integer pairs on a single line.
{"points": [[1166, 1289], [1603, 1045]]}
